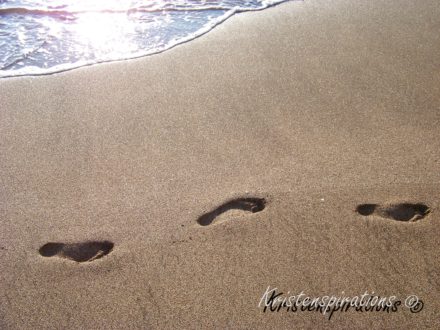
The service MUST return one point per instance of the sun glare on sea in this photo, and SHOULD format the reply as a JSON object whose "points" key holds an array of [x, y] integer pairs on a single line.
{"points": [[105, 28], [106, 34]]}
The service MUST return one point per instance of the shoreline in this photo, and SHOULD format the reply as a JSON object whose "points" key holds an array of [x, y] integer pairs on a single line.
{"points": [[277, 134], [198, 34]]}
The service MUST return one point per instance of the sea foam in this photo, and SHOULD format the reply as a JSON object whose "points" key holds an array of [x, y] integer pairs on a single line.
{"points": [[47, 36]]}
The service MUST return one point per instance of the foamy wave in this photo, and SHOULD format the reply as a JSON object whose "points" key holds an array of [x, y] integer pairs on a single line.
{"points": [[43, 37]]}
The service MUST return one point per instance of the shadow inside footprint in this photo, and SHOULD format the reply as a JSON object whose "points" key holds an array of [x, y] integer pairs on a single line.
{"points": [[79, 252], [366, 209], [398, 212], [253, 205]]}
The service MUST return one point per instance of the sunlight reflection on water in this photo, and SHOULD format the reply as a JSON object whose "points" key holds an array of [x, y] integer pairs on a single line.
{"points": [[44, 36]]}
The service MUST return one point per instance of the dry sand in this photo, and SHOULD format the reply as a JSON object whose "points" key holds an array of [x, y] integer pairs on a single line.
{"points": [[316, 106]]}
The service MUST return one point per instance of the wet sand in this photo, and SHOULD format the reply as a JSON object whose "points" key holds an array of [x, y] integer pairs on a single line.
{"points": [[296, 147]]}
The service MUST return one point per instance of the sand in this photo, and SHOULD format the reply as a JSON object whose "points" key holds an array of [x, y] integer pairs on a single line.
{"points": [[311, 108]]}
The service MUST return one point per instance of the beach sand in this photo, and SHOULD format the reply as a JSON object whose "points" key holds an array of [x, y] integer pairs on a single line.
{"points": [[316, 107]]}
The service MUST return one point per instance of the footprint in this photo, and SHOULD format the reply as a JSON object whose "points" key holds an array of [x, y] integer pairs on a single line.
{"points": [[399, 212], [253, 205], [79, 252]]}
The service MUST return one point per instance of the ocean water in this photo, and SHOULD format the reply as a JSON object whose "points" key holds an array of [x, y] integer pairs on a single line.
{"points": [[46, 36]]}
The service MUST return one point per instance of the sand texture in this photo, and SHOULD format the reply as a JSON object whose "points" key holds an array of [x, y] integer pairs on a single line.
{"points": [[296, 147]]}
